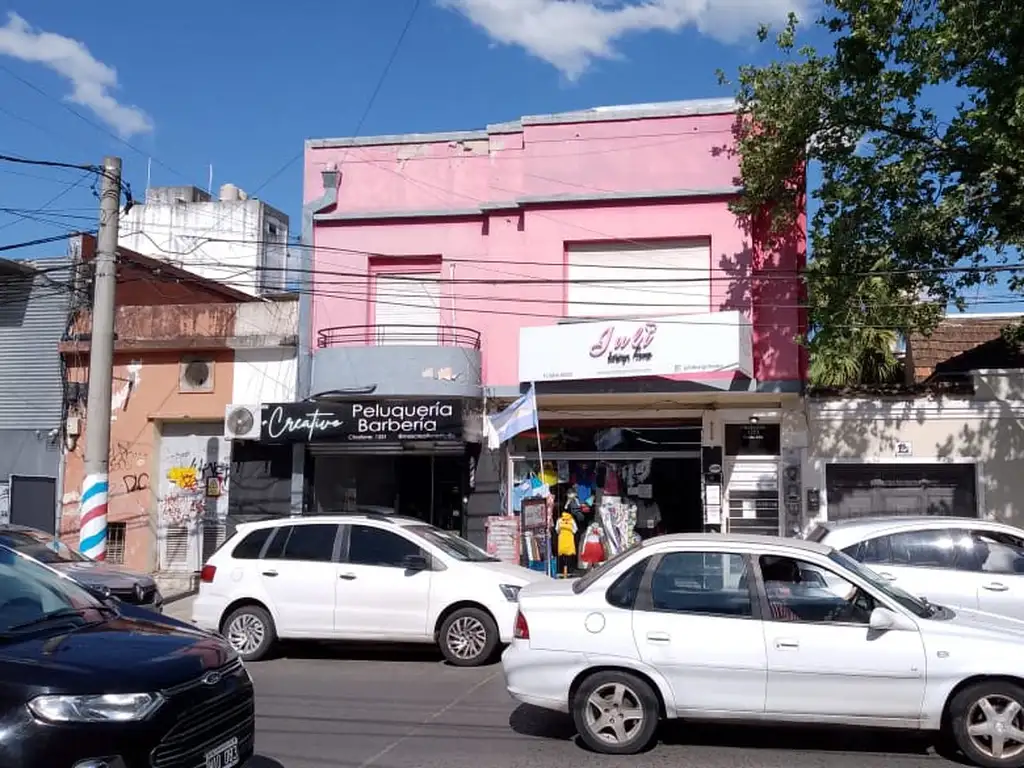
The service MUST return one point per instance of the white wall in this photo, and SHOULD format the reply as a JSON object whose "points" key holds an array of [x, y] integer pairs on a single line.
{"points": [[264, 376], [187, 235]]}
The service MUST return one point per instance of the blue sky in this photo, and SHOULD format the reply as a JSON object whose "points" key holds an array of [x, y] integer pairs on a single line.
{"points": [[241, 85]]}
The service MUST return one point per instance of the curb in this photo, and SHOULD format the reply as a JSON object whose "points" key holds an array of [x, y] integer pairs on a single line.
{"points": [[179, 596]]}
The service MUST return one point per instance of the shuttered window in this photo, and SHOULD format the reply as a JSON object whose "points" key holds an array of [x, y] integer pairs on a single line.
{"points": [[626, 280], [407, 308], [752, 487]]}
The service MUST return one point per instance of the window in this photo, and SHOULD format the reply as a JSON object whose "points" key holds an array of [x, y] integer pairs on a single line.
{"points": [[310, 543], [877, 551], [992, 552], [801, 591], [622, 594], [936, 548], [116, 534], [375, 546], [709, 583], [250, 547]]}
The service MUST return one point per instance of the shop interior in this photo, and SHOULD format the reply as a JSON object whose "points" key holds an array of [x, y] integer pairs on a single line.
{"points": [[427, 486], [633, 482]]}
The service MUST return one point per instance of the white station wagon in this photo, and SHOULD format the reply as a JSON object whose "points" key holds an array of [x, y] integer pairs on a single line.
{"points": [[755, 628]]}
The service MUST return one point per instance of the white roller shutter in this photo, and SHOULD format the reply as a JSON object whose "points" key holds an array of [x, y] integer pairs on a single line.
{"points": [[678, 273], [752, 490], [407, 309]]}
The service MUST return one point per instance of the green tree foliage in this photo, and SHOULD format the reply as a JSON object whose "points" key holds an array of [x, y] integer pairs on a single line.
{"points": [[912, 203]]}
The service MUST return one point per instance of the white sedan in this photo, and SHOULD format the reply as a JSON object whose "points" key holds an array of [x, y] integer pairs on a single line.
{"points": [[754, 628]]}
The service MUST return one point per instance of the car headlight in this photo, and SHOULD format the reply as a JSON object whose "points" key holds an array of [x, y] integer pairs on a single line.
{"points": [[100, 708], [511, 592]]}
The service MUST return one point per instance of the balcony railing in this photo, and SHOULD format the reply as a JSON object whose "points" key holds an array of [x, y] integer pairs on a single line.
{"points": [[386, 335]]}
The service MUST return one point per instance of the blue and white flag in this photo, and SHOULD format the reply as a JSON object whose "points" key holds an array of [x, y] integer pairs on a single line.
{"points": [[517, 418]]}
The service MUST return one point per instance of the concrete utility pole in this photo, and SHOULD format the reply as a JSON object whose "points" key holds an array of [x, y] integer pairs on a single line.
{"points": [[93, 513]]}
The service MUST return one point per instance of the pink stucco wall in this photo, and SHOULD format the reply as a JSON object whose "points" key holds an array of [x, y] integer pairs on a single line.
{"points": [[582, 158]]}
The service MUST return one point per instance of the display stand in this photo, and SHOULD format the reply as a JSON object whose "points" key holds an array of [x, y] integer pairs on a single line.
{"points": [[503, 538], [536, 523]]}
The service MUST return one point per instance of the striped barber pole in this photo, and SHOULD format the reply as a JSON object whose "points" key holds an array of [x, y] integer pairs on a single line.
{"points": [[92, 537]]}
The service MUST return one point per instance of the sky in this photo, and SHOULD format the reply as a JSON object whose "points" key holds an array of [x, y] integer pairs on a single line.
{"points": [[184, 86]]}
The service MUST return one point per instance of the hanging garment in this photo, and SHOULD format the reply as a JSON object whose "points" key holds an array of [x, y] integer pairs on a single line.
{"points": [[566, 529], [611, 480], [592, 551], [549, 476]]}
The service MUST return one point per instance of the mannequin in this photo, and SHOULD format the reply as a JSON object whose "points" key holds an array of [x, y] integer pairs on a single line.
{"points": [[566, 530]]}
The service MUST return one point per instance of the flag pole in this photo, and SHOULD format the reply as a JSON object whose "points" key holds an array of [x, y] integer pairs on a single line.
{"points": [[540, 475]]}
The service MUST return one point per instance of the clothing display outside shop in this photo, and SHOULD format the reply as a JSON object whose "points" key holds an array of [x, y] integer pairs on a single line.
{"points": [[600, 507]]}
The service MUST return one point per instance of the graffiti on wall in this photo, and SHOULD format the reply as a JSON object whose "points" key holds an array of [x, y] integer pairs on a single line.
{"points": [[194, 476], [5, 503]]}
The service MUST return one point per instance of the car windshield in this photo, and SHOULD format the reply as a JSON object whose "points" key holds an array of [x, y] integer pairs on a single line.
{"points": [[918, 607], [43, 548], [452, 544], [30, 594], [583, 583]]}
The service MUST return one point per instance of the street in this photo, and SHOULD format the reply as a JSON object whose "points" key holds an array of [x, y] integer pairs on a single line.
{"points": [[336, 706]]}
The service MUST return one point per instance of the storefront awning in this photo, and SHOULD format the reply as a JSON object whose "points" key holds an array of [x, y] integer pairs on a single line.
{"points": [[682, 347]]}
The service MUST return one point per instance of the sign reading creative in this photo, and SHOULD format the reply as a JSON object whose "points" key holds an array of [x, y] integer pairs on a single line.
{"points": [[718, 342], [362, 421]]}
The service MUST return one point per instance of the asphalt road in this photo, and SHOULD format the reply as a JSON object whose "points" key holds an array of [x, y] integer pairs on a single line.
{"points": [[351, 708]]}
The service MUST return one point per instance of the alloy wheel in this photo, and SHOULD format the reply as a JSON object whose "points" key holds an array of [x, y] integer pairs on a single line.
{"points": [[245, 633], [614, 713], [995, 725], [466, 638]]}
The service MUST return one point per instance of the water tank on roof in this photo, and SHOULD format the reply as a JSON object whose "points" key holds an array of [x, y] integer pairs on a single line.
{"points": [[229, 192]]}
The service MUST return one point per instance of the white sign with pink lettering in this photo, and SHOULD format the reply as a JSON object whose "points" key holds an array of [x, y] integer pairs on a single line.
{"points": [[718, 342]]}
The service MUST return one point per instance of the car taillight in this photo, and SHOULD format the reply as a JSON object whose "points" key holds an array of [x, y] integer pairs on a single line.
{"points": [[206, 575], [522, 629]]}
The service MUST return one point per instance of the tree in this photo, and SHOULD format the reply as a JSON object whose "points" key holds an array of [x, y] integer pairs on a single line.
{"points": [[932, 203]]}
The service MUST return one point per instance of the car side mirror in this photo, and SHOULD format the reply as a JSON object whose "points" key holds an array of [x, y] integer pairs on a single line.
{"points": [[416, 563], [103, 594], [884, 620]]}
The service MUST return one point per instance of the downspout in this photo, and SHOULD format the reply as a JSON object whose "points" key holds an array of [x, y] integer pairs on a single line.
{"points": [[304, 363]]}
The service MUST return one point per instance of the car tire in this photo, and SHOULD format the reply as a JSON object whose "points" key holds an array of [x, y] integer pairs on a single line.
{"points": [[468, 638], [982, 727], [616, 713], [250, 631]]}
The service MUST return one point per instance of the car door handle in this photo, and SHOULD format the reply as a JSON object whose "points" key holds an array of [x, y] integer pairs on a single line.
{"points": [[995, 586], [347, 576], [785, 644], [270, 573], [886, 575], [658, 637]]}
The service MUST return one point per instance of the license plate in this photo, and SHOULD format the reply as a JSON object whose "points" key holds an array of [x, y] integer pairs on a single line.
{"points": [[223, 756]]}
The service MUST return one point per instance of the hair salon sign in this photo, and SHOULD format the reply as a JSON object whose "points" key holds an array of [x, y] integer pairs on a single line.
{"points": [[362, 421], [719, 342]]}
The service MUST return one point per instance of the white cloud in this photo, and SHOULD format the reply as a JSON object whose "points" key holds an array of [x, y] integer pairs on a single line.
{"points": [[91, 80], [570, 34]]}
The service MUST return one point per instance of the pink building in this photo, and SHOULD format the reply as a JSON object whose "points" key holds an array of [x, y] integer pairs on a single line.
{"points": [[591, 252]]}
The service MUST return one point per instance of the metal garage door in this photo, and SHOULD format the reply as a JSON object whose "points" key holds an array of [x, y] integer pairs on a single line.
{"points": [[863, 490]]}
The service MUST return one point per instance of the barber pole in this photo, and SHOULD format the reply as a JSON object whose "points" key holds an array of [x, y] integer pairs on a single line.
{"points": [[92, 536]]}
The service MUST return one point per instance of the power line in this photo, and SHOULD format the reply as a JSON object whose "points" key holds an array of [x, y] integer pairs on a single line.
{"points": [[43, 241], [99, 170]]}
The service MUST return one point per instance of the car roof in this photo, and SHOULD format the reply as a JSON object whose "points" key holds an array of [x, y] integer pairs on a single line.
{"points": [[740, 540], [354, 517], [843, 533]]}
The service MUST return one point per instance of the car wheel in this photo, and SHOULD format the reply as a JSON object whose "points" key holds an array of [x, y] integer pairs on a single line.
{"points": [[616, 713], [468, 638], [250, 631], [987, 723]]}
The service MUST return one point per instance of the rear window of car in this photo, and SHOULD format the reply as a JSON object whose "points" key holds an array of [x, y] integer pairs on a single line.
{"points": [[250, 547], [818, 534]]}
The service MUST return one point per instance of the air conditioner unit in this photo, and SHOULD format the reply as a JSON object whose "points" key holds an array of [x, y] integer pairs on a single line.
{"points": [[242, 422]]}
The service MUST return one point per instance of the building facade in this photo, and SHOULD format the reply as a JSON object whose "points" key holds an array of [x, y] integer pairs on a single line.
{"points": [[234, 239], [35, 302], [591, 253], [948, 442], [186, 348]]}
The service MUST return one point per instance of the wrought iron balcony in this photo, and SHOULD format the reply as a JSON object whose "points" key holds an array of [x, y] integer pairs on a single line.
{"points": [[398, 335]]}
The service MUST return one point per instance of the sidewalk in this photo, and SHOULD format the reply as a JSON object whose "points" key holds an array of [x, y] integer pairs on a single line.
{"points": [[181, 608]]}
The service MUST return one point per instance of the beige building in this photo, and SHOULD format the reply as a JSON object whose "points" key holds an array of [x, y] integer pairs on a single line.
{"points": [[951, 442]]}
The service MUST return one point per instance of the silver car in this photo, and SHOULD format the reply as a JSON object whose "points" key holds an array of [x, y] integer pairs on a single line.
{"points": [[128, 586], [955, 561]]}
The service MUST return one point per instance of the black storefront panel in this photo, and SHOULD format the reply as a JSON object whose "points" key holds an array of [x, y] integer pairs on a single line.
{"points": [[367, 422]]}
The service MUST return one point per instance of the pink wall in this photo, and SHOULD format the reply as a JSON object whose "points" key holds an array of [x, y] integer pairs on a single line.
{"points": [[591, 159]]}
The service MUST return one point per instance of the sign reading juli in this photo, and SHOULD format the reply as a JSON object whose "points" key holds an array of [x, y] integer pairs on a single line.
{"points": [[362, 421]]}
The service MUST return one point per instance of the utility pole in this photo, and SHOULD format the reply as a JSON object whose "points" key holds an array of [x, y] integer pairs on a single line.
{"points": [[95, 489]]}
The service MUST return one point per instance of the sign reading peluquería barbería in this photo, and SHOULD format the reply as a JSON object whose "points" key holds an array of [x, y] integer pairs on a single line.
{"points": [[362, 421]]}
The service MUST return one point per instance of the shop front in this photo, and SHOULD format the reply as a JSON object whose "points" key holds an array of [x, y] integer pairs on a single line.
{"points": [[408, 456], [651, 427]]}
